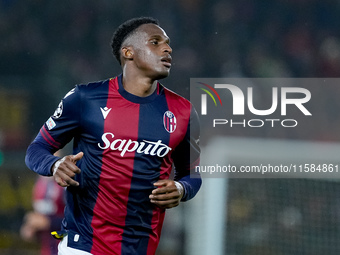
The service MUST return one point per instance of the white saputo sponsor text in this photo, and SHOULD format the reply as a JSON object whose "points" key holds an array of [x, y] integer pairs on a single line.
{"points": [[147, 147]]}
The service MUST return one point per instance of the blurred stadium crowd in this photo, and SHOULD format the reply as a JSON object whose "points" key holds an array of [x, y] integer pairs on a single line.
{"points": [[55, 45], [47, 47], [70, 40]]}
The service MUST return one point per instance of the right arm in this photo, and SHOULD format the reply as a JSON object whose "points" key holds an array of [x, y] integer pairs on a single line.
{"points": [[58, 130], [39, 156]]}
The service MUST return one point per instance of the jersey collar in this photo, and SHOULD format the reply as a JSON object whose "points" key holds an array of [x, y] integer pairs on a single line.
{"points": [[134, 98]]}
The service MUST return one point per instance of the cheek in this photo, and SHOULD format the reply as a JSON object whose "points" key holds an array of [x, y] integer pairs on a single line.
{"points": [[149, 55], [146, 58]]}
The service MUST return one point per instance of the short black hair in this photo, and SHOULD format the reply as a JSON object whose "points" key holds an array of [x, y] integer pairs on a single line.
{"points": [[125, 29]]}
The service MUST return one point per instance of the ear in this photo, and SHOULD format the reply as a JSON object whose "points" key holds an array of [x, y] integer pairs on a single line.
{"points": [[127, 53]]}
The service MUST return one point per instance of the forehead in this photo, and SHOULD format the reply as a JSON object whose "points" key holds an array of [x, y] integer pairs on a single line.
{"points": [[151, 30]]}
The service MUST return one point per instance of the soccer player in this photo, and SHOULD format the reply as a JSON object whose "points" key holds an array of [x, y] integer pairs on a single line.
{"points": [[128, 133], [48, 205]]}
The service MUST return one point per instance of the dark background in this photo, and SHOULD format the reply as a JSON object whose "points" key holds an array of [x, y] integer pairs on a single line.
{"points": [[46, 47]]}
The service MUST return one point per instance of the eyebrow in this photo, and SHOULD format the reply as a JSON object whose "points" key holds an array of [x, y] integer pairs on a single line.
{"points": [[166, 38]]}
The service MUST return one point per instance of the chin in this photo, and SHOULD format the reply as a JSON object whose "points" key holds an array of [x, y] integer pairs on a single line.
{"points": [[163, 74]]}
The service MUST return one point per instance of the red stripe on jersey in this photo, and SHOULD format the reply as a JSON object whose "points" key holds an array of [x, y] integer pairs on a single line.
{"points": [[111, 205], [181, 108], [158, 215], [48, 138]]}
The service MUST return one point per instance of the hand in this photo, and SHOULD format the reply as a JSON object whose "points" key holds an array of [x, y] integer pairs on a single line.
{"points": [[166, 195], [33, 223], [65, 169]]}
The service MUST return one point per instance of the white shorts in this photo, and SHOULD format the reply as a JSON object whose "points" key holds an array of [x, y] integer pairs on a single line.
{"points": [[64, 250]]}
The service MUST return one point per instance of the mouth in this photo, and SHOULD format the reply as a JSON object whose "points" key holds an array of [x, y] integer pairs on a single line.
{"points": [[166, 61]]}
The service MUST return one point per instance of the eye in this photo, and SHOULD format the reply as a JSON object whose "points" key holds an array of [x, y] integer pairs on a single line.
{"points": [[154, 42]]}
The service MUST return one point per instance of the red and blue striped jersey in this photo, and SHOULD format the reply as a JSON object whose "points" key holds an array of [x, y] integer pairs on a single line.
{"points": [[129, 143]]}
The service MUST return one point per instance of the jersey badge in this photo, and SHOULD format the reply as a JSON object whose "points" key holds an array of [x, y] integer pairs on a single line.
{"points": [[69, 93], [169, 121], [50, 123], [59, 111], [105, 111]]}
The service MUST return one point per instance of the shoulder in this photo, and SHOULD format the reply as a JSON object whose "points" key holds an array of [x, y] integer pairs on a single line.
{"points": [[175, 98], [92, 85], [89, 90]]}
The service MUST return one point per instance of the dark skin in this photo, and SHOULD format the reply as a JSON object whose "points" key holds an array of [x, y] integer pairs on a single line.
{"points": [[145, 58]]}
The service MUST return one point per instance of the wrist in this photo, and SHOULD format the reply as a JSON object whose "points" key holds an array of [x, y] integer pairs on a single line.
{"points": [[56, 165], [180, 188]]}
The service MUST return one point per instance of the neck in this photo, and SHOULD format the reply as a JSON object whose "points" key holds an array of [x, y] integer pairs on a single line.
{"points": [[138, 85]]}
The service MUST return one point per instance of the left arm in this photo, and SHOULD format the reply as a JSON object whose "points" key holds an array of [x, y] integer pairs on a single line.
{"points": [[187, 182]]}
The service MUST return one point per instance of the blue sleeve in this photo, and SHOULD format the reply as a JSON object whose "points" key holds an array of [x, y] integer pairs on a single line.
{"points": [[57, 131], [186, 157], [55, 222], [39, 156]]}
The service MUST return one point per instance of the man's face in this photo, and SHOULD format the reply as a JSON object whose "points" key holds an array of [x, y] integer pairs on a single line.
{"points": [[151, 51]]}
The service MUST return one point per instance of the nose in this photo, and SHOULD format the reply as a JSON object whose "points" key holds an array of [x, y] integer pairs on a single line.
{"points": [[167, 49]]}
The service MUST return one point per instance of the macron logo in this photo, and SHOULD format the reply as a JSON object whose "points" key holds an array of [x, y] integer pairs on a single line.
{"points": [[105, 111]]}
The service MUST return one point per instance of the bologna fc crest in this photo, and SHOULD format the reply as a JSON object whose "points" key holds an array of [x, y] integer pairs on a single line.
{"points": [[169, 121]]}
